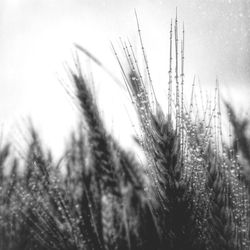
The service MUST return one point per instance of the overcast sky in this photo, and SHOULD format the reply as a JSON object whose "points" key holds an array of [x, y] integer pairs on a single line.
{"points": [[36, 38]]}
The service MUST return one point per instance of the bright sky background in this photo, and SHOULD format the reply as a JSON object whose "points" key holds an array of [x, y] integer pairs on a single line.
{"points": [[36, 39]]}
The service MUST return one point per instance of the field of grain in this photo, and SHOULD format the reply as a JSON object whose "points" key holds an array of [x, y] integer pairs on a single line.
{"points": [[191, 191]]}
